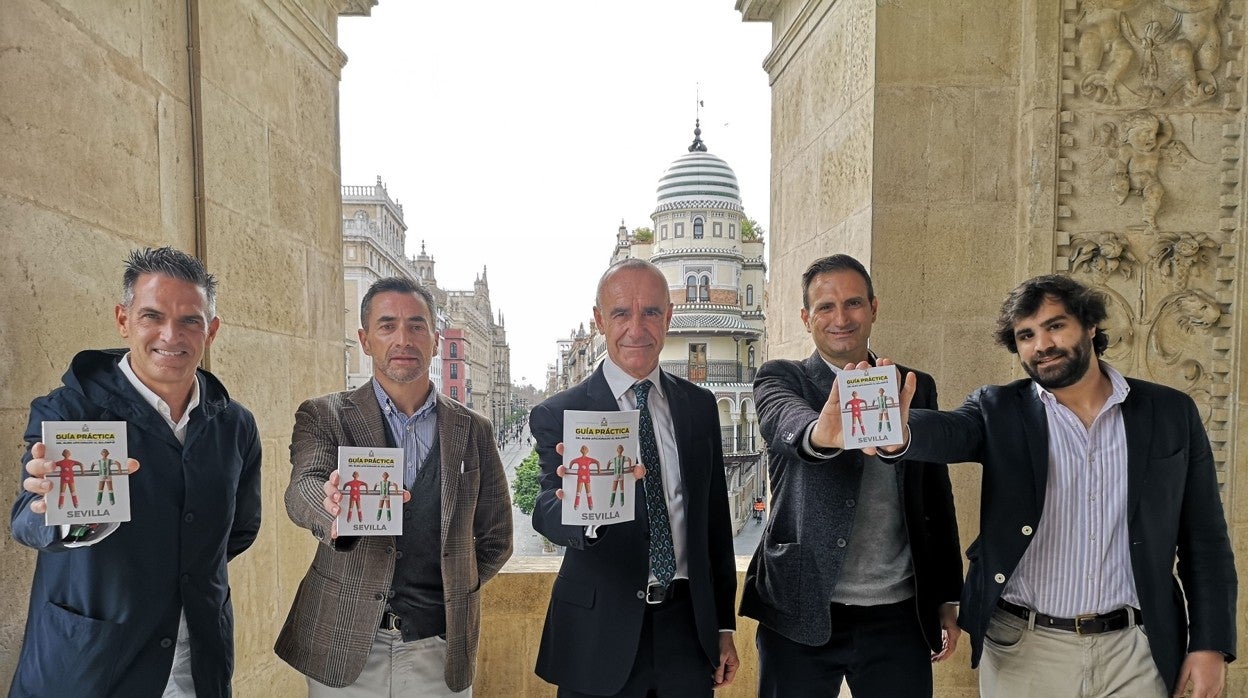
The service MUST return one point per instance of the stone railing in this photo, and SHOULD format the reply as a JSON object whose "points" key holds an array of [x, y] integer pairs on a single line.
{"points": [[513, 611]]}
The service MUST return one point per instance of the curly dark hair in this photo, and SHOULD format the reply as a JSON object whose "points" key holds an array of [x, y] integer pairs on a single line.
{"points": [[1085, 304]]}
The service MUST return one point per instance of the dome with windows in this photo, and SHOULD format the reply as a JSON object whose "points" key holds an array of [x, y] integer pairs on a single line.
{"points": [[698, 179]]}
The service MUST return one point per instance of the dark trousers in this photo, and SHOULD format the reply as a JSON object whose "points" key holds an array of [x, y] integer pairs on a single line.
{"points": [[670, 661], [878, 650]]}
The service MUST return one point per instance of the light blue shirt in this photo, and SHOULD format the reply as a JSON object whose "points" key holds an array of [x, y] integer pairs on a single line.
{"points": [[414, 434]]}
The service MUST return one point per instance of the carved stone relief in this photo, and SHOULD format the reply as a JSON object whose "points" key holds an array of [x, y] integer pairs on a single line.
{"points": [[1148, 190]]}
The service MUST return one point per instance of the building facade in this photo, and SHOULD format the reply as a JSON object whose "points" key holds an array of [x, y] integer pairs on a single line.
{"points": [[456, 371], [487, 356], [374, 239]]}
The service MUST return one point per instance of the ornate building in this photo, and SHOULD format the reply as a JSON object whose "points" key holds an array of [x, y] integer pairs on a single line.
{"points": [[473, 364], [373, 240], [715, 276], [487, 357], [992, 142]]}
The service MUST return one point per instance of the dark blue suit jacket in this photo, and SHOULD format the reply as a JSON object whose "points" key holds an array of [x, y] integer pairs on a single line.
{"points": [[1172, 506], [593, 624], [103, 619]]}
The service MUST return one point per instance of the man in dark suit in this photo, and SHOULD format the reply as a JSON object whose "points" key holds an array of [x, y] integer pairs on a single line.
{"points": [[859, 566], [642, 608], [396, 615], [115, 608], [1092, 482]]}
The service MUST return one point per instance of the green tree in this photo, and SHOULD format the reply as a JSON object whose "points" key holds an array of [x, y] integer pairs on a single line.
{"points": [[751, 231], [525, 487], [643, 235]]}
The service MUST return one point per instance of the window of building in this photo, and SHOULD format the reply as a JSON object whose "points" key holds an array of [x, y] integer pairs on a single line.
{"points": [[680, 230], [749, 295], [717, 229], [454, 393], [732, 231], [750, 356], [454, 350], [704, 289], [663, 232], [691, 289], [454, 370], [697, 228]]}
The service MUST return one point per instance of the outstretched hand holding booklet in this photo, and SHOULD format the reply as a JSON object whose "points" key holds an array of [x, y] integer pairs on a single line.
{"points": [[870, 407]]}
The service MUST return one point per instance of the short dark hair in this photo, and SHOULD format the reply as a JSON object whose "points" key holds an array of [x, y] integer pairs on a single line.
{"points": [[625, 264], [397, 284], [173, 263], [826, 265], [1085, 304]]}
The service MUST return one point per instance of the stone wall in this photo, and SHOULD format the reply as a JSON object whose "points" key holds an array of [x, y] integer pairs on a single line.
{"points": [[959, 147], [96, 131]]}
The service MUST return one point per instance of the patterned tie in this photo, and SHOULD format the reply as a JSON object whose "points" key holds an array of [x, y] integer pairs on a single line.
{"points": [[662, 553]]}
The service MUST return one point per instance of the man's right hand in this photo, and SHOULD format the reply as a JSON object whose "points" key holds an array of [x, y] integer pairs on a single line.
{"points": [[332, 497], [38, 468]]}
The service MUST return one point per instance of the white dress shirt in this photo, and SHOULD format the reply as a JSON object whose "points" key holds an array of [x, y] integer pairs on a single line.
{"points": [[621, 385]]}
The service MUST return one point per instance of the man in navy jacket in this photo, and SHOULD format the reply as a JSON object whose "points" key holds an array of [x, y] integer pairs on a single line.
{"points": [[116, 608]]}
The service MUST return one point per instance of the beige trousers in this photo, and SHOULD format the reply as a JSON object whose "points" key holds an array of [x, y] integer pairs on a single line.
{"points": [[396, 668], [1030, 662]]}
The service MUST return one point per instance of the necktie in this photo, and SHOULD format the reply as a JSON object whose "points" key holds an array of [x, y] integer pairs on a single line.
{"points": [[662, 552]]}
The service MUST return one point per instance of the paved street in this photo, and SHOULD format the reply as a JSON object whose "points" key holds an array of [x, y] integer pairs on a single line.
{"points": [[528, 542]]}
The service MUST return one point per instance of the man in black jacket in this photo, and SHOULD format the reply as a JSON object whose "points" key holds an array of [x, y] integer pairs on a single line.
{"points": [[856, 571]]}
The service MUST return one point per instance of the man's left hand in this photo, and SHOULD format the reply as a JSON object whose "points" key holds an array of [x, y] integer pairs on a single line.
{"points": [[949, 632], [728, 661], [1205, 672]]}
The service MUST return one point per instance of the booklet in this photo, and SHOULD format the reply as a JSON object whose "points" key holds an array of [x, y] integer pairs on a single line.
{"points": [[870, 407], [90, 483], [599, 451], [370, 480]]}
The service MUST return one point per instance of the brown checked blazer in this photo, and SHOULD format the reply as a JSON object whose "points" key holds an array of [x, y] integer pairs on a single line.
{"points": [[338, 607]]}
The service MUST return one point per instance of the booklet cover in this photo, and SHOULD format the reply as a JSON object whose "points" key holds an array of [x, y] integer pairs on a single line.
{"points": [[370, 480], [870, 407], [599, 451], [90, 483]]}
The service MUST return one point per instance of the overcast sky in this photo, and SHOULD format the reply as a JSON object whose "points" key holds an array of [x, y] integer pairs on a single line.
{"points": [[518, 135]]}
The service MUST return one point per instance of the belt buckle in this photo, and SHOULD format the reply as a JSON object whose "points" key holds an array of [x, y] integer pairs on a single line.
{"points": [[392, 622], [655, 594], [1081, 619]]}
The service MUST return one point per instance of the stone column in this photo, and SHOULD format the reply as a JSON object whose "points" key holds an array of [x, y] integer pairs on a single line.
{"points": [[96, 127], [959, 147]]}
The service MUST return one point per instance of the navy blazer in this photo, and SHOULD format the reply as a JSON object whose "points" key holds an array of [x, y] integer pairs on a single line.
{"points": [[793, 574], [593, 624], [1172, 505], [103, 619]]}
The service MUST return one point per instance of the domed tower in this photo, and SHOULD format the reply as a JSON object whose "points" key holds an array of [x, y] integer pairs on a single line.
{"points": [[714, 277], [715, 280]]}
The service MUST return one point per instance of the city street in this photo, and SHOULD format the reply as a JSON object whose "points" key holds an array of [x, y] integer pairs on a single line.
{"points": [[528, 542]]}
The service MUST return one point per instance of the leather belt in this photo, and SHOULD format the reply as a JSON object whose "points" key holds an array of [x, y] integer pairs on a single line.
{"points": [[391, 622], [1085, 624], [657, 594]]}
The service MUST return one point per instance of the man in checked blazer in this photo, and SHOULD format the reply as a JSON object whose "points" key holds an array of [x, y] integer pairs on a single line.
{"points": [[396, 615]]}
